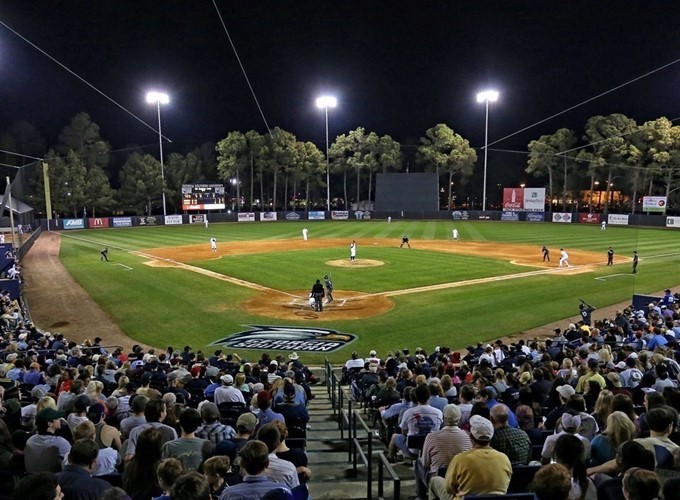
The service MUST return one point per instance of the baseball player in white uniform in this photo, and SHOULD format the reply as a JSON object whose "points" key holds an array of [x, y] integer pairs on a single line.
{"points": [[353, 251], [564, 258], [603, 226], [455, 233], [205, 220], [305, 233], [213, 244]]}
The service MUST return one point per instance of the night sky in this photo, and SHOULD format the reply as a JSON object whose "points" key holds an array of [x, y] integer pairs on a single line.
{"points": [[396, 67]]}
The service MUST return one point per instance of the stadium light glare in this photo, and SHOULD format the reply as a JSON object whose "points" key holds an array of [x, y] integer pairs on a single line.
{"points": [[325, 102], [159, 98], [486, 97]]}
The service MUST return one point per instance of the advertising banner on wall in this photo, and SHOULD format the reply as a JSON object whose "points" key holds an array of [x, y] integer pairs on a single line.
{"points": [[197, 218], [317, 215], [122, 222], [173, 219], [561, 217], [617, 219], [589, 218], [97, 222], [534, 199], [246, 216], [673, 222], [513, 199], [510, 216], [267, 216], [339, 215], [292, 216], [151, 220], [74, 223], [535, 217], [654, 203]]}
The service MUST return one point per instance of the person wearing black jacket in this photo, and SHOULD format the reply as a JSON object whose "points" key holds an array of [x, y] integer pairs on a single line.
{"points": [[318, 294]]}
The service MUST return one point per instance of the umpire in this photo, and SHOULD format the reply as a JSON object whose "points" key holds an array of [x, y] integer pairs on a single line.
{"points": [[318, 294]]}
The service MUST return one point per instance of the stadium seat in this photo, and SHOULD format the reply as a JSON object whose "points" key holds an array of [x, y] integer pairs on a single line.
{"points": [[229, 412], [522, 476]]}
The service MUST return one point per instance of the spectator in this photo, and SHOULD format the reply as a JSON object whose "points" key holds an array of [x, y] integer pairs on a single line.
{"points": [[278, 470], [137, 418], [188, 449], [468, 472], [215, 470], [630, 454], [108, 459], [190, 486], [640, 484], [154, 413], [76, 480], [168, 471], [227, 393], [45, 451], [140, 477], [569, 452], [570, 424], [514, 443], [296, 456], [552, 482], [254, 461], [619, 430], [38, 486], [266, 414], [105, 435], [439, 448], [245, 427], [293, 413], [212, 429]]}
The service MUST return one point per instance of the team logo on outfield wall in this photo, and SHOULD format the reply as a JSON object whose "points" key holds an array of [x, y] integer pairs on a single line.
{"points": [[292, 338]]}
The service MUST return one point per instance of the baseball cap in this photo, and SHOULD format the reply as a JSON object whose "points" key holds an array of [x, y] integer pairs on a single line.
{"points": [[372, 353], [209, 411], [592, 362], [566, 391], [48, 415], [247, 422], [572, 422], [481, 428], [227, 379], [274, 362]]}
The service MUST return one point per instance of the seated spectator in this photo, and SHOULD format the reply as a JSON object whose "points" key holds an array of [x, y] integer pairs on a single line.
{"points": [[168, 471], [140, 477], [254, 461], [468, 472], [190, 486], [570, 424], [188, 449], [266, 414], [440, 447], [38, 486], [630, 454], [105, 435], [292, 411], [76, 480], [136, 418], [212, 429], [45, 451], [569, 452], [552, 482], [514, 443], [154, 413], [79, 414], [227, 393], [296, 456], [245, 427], [108, 459], [619, 430], [640, 484], [526, 420], [278, 470], [216, 470], [6, 445]]}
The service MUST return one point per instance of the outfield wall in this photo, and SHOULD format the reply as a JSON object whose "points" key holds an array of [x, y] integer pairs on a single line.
{"points": [[637, 220]]}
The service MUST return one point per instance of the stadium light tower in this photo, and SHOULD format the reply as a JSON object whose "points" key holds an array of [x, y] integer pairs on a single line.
{"points": [[486, 97], [325, 102], [159, 98]]}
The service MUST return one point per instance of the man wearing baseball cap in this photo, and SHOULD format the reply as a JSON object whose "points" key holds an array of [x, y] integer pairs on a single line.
{"points": [[480, 471], [45, 451]]}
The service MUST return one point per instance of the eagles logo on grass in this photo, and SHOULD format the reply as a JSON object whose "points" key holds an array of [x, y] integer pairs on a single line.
{"points": [[287, 338]]}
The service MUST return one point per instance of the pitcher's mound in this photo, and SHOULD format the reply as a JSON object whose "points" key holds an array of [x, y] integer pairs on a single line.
{"points": [[355, 263]]}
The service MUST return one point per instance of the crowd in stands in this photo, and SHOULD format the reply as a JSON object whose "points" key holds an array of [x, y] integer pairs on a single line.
{"points": [[89, 422], [590, 413]]}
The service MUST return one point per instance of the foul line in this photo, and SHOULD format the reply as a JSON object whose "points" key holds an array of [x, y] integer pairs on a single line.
{"points": [[127, 268], [604, 278]]}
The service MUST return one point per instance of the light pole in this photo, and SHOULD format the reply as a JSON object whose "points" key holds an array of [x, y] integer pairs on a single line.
{"points": [[159, 98], [326, 102], [486, 97]]}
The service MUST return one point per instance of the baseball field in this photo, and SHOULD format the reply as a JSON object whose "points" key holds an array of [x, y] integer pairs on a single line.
{"points": [[164, 286]]}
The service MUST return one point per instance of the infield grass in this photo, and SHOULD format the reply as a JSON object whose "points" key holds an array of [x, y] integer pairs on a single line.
{"points": [[164, 306]]}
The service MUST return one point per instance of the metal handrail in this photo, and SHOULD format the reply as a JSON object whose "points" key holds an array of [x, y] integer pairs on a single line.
{"points": [[383, 465]]}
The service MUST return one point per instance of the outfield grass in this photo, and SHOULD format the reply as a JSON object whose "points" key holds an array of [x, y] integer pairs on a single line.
{"points": [[170, 306]]}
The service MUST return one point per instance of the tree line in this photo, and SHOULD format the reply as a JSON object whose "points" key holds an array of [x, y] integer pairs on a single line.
{"points": [[275, 171]]}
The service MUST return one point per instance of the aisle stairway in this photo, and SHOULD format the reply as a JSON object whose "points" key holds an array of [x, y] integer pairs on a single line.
{"points": [[332, 470]]}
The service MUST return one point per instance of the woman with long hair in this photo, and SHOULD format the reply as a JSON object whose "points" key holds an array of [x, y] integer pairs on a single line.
{"points": [[619, 430], [570, 452], [603, 408], [6, 445], [140, 477]]}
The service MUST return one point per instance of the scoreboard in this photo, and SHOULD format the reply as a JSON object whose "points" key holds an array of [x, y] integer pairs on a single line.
{"points": [[203, 197]]}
